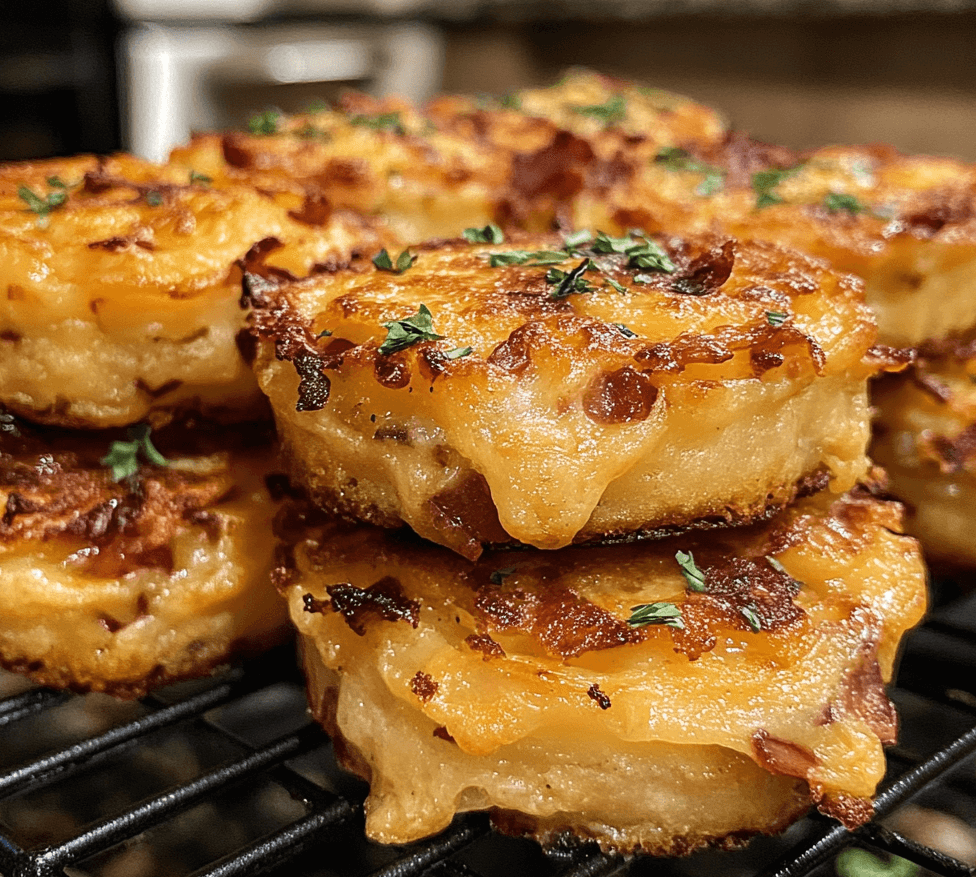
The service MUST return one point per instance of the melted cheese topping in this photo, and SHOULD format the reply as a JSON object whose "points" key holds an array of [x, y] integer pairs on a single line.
{"points": [[522, 678]]}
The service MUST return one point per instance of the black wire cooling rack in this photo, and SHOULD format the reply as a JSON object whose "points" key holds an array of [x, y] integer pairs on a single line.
{"points": [[228, 777]]}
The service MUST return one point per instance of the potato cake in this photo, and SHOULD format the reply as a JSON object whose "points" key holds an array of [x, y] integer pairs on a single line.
{"points": [[122, 290], [657, 696], [925, 436], [548, 389], [133, 563]]}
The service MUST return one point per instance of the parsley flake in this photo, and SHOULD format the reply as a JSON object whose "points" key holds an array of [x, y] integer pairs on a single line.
{"points": [[381, 122], [325, 333], [676, 159], [458, 352], [383, 262], [153, 198], [610, 112], [775, 319], [578, 238], [627, 333], [656, 613], [123, 457], [490, 234], [536, 259], [689, 569], [56, 182], [510, 101], [764, 184], [753, 620], [404, 333], [199, 178], [42, 206], [837, 201], [567, 283], [264, 124], [499, 575]]}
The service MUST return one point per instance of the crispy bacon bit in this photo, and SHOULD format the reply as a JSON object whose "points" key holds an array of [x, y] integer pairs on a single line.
{"points": [[708, 272], [481, 642], [423, 686], [863, 695], [384, 599], [314, 387], [623, 396], [465, 516], [316, 210], [594, 693], [392, 371], [782, 757], [556, 169], [561, 621]]}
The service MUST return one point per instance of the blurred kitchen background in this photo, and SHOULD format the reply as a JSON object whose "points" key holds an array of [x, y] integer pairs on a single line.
{"points": [[102, 75]]}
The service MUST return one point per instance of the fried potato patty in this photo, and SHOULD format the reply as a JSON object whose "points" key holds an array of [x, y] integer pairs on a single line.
{"points": [[925, 436], [548, 391], [120, 586], [905, 224], [121, 289], [756, 688]]}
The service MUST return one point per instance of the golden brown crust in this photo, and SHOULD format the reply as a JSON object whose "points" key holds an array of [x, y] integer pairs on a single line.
{"points": [[606, 369], [809, 608]]}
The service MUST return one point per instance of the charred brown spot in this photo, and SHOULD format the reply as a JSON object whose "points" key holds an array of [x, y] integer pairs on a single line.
{"points": [[235, 151], [514, 354], [945, 208], [385, 600], [315, 210], [890, 359], [863, 695], [17, 505], [938, 390], [622, 396], [110, 624], [392, 371], [314, 386], [769, 343], [442, 734], [782, 757], [346, 172], [673, 357], [392, 432], [849, 811], [465, 516], [423, 686], [707, 272], [481, 642], [594, 693], [953, 454], [556, 169], [561, 621], [209, 522]]}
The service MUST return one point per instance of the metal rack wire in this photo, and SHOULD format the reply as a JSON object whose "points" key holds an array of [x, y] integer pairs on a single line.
{"points": [[227, 777]]}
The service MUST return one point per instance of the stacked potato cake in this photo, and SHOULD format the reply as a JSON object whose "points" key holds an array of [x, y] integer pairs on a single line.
{"points": [[589, 521], [508, 397]]}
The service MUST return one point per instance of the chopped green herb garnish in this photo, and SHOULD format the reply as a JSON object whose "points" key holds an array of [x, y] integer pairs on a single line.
{"points": [[317, 106], [309, 132], [458, 352], [123, 457], [153, 198], [383, 262], [567, 283], [749, 614], [611, 112], [837, 201], [527, 258], [199, 178], [510, 101], [675, 159], [775, 319], [56, 183], [656, 613], [42, 206], [693, 575], [381, 122], [578, 238], [650, 256], [627, 333], [764, 184], [606, 244], [643, 278], [325, 333], [265, 123], [499, 575], [854, 862], [490, 234], [404, 333]]}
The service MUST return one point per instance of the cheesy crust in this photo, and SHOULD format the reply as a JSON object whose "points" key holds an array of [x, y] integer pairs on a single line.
{"points": [[121, 586], [925, 437], [709, 391], [521, 678], [123, 299]]}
